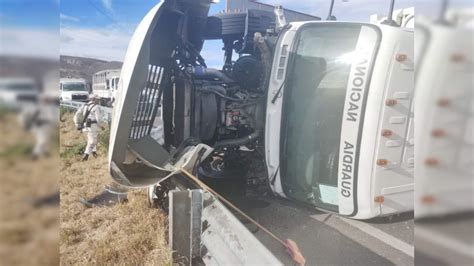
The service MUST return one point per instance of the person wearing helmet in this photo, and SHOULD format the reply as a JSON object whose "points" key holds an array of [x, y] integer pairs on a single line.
{"points": [[87, 119]]}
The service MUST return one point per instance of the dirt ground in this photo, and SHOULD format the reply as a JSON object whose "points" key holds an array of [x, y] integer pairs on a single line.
{"points": [[129, 233], [29, 216]]}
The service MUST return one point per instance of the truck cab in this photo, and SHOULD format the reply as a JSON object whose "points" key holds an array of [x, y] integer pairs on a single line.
{"points": [[327, 104], [73, 90], [339, 119]]}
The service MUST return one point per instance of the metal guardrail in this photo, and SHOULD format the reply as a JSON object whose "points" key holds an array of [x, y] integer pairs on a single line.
{"points": [[106, 111], [202, 228]]}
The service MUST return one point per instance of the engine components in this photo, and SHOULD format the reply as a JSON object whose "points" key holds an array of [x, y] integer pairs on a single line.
{"points": [[247, 72], [201, 72]]}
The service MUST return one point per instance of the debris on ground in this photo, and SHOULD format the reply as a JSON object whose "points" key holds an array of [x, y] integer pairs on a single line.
{"points": [[108, 197], [46, 201]]}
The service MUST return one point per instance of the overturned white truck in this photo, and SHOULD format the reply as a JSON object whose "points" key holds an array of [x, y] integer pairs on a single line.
{"points": [[325, 107]]}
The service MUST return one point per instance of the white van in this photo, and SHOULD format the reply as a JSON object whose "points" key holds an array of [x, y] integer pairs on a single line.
{"points": [[73, 90]]}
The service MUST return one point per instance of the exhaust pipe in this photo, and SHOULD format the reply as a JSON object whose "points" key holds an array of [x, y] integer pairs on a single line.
{"points": [[389, 21], [237, 142], [209, 73]]}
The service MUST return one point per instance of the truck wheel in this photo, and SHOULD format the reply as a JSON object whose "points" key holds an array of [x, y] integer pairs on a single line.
{"points": [[158, 197], [219, 168]]}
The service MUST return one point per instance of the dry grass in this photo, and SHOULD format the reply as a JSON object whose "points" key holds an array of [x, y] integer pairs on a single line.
{"points": [[125, 234], [28, 235]]}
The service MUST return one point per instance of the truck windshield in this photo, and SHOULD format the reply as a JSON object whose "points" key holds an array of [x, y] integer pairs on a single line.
{"points": [[19, 87], [313, 108], [74, 87]]}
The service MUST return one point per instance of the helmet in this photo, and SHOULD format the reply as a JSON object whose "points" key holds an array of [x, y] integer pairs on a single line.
{"points": [[94, 97]]}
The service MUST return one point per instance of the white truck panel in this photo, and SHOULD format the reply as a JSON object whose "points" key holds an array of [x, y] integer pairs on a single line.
{"points": [[444, 108]]}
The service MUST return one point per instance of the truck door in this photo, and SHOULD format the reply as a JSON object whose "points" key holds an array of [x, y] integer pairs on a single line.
{"points": [[325, 92]]}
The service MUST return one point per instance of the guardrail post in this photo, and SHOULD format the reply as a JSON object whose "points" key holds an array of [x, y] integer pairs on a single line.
{"points": [[185, 209]]}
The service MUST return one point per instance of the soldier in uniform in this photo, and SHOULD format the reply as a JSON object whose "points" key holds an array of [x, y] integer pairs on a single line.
{"points": [[87, 119]]}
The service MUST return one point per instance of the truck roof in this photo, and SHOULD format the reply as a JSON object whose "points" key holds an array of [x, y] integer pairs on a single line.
{"points": [[111, 71], [72, 80], [16, 80], [290, 15]]}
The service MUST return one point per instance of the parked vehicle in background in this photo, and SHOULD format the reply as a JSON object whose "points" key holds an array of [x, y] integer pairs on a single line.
{"points": [[105, 85], [73, 90], [15, 92]]}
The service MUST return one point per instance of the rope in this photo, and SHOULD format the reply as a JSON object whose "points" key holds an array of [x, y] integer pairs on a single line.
{"points": [[204, 186]]}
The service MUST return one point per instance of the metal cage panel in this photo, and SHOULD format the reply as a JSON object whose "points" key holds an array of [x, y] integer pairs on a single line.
{"points": [[148, 104]]}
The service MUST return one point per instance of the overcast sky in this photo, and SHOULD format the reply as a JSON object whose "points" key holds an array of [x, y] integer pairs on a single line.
{"points": [[102, 28]]}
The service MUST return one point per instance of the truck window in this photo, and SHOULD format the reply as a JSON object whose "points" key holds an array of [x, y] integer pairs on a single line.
{"points": [[313, 107], [20, 87], [116, 83], [74, 87]]}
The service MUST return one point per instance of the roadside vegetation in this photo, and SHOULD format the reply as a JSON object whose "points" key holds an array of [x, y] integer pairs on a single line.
{"points": [[29, 225], [63, 110], [3, 113], [129, 233], [16, 150]]}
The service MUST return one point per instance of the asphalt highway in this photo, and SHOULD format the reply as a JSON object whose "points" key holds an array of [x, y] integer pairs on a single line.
{"points": [[326, 239]]}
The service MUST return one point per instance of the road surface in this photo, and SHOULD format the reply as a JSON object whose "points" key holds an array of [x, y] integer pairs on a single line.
{"points": [[326, 239], [445, 240]]}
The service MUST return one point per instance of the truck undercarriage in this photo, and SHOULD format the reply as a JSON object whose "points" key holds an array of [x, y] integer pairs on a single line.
{"points": [[222, 108]]}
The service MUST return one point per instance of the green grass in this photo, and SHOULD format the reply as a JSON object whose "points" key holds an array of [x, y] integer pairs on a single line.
{"points": [[63, 110], [3, 112], [103, 138], [73, 151], [16, 150], [79, 148]]}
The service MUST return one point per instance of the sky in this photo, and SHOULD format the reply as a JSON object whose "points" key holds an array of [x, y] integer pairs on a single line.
{"points": [[102, 28], [29, 28]]}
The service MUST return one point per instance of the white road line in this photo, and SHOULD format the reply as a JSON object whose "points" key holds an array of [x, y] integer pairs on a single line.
{"points": [[363, 228], [382, 236], [444, 241]]}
